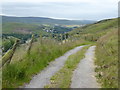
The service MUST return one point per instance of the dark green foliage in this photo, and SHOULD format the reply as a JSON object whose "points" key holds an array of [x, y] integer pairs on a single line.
{"points": [[60, 29], [23, 37], [7, 43], [8, 55]]}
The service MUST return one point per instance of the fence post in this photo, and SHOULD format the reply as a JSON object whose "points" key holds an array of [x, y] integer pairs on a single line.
{"points": [[31, 41], [8, 56], [40, 38]]}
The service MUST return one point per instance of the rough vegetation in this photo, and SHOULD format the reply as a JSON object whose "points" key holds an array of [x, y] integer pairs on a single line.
{"points": [[107, 60], [16, 73]]}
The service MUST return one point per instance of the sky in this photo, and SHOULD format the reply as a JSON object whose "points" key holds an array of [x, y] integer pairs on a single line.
{"points": [[61, 9]]}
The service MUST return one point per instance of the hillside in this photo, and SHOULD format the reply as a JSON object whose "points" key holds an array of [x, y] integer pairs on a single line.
{"points": [[93, 32], [107, 60], [42, 20], [23, 28], [105, 34]]}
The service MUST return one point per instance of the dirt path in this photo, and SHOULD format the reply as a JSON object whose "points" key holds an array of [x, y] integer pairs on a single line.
{"points": [[84, 75], [43, 78]]}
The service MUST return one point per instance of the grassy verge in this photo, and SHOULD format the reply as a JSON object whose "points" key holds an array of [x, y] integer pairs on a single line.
{"points": [[62, 79], [107, 60], [20, 72]]}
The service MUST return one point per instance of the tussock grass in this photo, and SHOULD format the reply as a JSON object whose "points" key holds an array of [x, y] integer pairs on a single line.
{"points": [[19, 72], [20, 53], [62, 79], [107, 60]]}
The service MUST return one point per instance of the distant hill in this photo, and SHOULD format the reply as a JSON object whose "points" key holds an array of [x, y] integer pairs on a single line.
{"points": [[24, 28], [42, 20]]}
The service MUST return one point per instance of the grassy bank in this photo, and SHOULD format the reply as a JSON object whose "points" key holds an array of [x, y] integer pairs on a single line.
{"points": [[62, 79], [107, 60], [106, 35], [19, 72]]}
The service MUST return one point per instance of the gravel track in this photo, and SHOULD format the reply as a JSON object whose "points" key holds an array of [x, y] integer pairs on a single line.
{"points": [[84, 75], [43, 78]]}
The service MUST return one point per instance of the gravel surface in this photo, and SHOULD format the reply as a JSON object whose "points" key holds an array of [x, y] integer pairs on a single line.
{"points": [[84, 75], [43, 78]]}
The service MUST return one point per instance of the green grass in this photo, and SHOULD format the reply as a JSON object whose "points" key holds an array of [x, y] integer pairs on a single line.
{"points": [[21, 28], [0, 79], [107, 60], [62, 79], [20, 53], [94, 31], [8, 43], [19, 72]]}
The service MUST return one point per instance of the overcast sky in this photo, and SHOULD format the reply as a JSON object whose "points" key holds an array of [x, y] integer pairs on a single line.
{"points": [[62, 9]]}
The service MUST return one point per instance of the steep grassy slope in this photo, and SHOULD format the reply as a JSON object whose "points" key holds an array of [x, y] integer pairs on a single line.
{"points": [[93, 32], [107, 60]]}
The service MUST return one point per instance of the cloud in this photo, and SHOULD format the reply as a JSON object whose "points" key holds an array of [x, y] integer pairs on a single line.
{"points": [[77, 9], [80, 1]]}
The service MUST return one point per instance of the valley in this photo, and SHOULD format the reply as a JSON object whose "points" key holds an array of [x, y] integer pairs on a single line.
{"points": [[53, 53]]}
